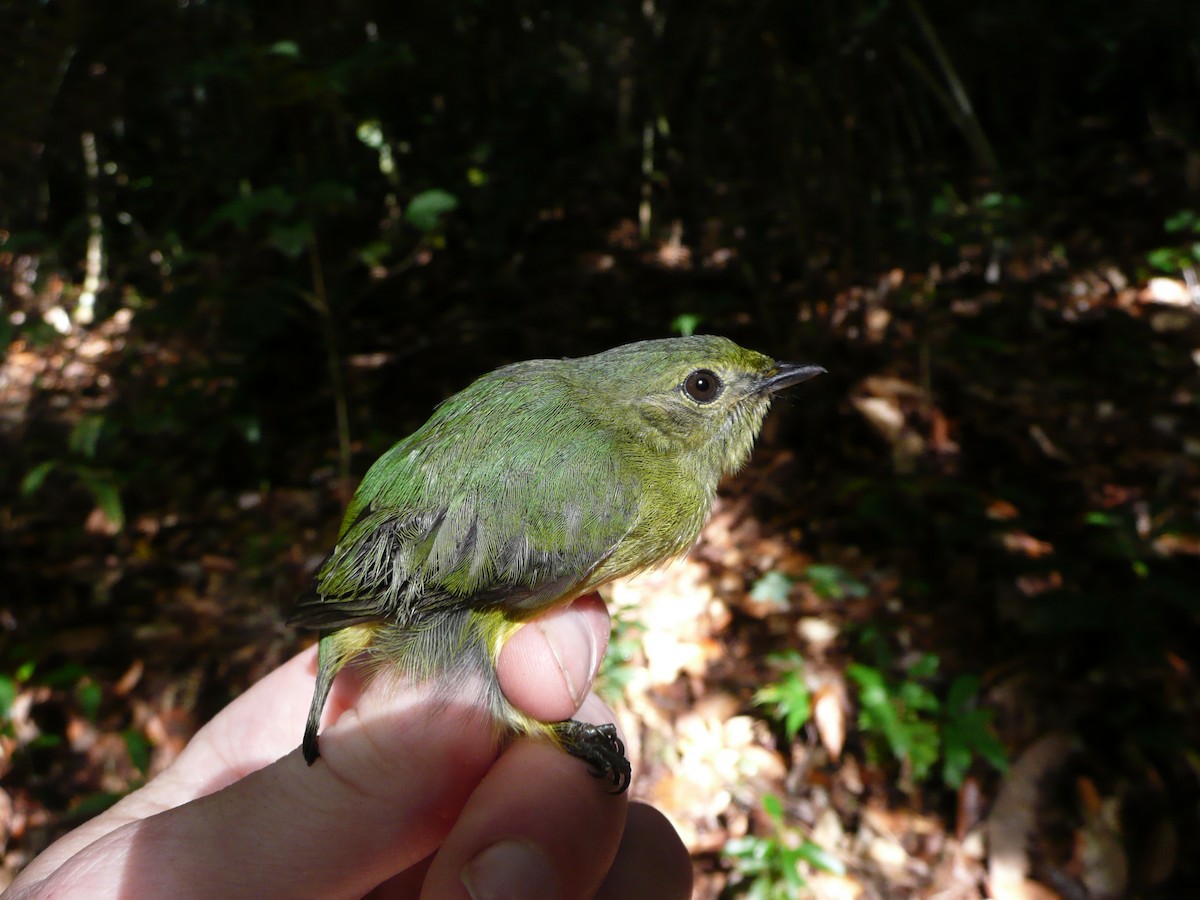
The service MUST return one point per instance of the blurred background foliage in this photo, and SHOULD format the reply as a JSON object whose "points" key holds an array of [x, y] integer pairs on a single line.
{"points": [[246, 246]]}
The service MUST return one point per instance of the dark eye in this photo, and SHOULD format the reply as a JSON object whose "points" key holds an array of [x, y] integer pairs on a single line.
{"points": [[702, 386]]}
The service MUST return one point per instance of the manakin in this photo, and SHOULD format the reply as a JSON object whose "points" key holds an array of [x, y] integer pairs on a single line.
{"points": [[540, 482]]}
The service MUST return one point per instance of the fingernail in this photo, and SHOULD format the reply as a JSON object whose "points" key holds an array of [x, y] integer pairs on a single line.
{"points": [[510, 870], [573, 643]]}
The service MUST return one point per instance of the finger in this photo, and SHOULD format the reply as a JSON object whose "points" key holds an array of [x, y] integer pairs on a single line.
{"points": [[393, 774], [538, 826], [255, 729], [260, 726], [652, 863], [546, 668]]}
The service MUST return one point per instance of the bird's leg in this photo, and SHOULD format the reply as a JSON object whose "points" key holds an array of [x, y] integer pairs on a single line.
{"points": [[599, 747]]}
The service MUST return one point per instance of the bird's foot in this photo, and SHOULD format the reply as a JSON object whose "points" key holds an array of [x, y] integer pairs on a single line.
{"points": [[599, 747]]}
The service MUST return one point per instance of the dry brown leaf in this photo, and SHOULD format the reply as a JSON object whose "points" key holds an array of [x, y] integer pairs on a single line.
{"points": [[677, 607], [99, 523], [827, 886], [1167, 291], [1026, 544], [1001, 510], [128, 681], [829, 715]]}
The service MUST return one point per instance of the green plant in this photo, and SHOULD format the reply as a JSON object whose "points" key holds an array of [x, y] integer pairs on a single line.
{"points": [[773, 589], [76, 689], [917, 728], [900, 716], [101, 483], [1177, 258], [769, 867], [967, 732], [425, 210], [8, 695], [1120, 540], [834, 582], [788, 699], [686, 323]]}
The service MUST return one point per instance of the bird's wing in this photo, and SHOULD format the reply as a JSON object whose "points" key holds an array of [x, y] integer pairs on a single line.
{"points": [[519, 534]]}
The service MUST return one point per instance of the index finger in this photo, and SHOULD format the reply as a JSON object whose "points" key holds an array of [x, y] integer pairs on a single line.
{"points": [[393, 775]]}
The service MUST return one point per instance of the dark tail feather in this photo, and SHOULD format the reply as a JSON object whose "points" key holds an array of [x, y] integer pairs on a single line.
{"points": [[326, 670]]}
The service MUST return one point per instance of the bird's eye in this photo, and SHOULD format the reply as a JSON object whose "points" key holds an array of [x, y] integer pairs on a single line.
{"points": [[702, 386]]}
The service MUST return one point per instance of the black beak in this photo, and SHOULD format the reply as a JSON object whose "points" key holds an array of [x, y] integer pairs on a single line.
{"points": [[788, 374]]}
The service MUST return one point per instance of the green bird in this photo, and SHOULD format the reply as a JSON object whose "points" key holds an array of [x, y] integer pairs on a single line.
{"points": [[540, 482]]}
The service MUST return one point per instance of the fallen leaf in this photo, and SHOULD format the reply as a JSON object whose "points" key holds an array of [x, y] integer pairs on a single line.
{"points": [[829, 715]]}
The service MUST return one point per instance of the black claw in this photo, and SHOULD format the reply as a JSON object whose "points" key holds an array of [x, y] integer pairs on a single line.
{"points": [[600, 748]]}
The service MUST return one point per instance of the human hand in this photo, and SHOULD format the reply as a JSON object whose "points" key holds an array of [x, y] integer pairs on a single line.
{"points": [[409, 799]]}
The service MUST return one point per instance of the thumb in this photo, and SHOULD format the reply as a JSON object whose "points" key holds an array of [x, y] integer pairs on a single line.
{"points": [[546, 669]]}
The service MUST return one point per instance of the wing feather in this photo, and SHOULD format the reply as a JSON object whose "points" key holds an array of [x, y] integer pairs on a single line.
{"points": [[522, 527]]}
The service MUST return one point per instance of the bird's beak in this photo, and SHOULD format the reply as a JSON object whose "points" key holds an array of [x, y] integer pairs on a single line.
{"points": [[787, 374]]}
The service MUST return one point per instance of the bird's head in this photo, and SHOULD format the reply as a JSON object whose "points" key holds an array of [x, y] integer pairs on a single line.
{"points": [[699, 399]]}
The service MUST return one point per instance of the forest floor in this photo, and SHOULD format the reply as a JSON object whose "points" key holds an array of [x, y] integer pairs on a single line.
{"points": [[964, 565]]}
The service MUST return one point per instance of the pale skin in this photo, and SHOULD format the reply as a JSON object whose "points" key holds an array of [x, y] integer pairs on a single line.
{"points": [[409, 800]]}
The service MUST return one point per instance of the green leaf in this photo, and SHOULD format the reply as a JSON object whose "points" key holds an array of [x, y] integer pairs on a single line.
{"points": [[917, 697], [89, 695], [104, 491], [250, 204], [924, 747], [249, 427], [68, 673], [789, 869], [870, 680], [686, 324], [967, 732], [742, 846], [774, 808], [1184, 220], [285, 48], [330, 194], [375, 253], [925, 667], [963, 738], [291, 239], [816, 856], [86, 435], [893, 714], [425, 208], [956, 759], [773, 588], [8, 695], [961, 694], [789, 700], [834, 582], [1165, 259], [138, 748], [35, 477]]}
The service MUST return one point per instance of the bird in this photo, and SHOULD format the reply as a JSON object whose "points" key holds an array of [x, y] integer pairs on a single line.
{"points": [[538, 483]]}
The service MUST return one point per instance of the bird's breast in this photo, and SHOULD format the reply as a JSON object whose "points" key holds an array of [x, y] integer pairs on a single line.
{"points": [[670, 514]]}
